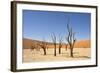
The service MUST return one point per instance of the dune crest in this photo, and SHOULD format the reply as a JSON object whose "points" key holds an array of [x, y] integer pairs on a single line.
{"points": [[27, 43]]}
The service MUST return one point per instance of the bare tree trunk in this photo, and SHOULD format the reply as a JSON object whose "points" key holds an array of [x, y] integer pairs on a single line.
{"points": [[60, 43], [44, 51], [71, 52], [59, 50], [71, 39], [54, 42], [60, 46], [43, 45], [55, 50], [66, 47]]}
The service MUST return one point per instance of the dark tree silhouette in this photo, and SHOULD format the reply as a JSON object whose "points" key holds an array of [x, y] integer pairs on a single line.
{"points": [[70, 38], [66, 47], [54, 42], [43, 45], [60, 44]]}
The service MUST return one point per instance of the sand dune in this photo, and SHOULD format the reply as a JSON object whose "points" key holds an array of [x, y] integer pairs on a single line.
{"points": [[27, 43], [83, 44]]}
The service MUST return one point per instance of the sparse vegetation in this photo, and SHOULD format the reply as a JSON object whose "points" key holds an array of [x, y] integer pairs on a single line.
{"points": [[60, 43], [53, 36], [70, 38], [33, 47], [43, 45], [66, 47]]}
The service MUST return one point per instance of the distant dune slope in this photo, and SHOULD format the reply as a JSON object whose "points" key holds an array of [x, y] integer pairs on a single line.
{"points": [[27, 43], [83, 44]]}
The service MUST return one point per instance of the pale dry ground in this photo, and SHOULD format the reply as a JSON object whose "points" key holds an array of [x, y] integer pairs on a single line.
{"points": [[37, 56]]}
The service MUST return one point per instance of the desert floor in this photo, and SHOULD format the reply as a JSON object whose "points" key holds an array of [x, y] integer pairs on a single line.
{"points": [[37, 56]]}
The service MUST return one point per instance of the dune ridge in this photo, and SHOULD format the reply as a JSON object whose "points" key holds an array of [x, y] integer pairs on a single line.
{"points": [[27, 43]]}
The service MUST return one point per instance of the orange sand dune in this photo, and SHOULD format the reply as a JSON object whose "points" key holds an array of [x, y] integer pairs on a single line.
{"points": [[83, 44], [27, 43]]}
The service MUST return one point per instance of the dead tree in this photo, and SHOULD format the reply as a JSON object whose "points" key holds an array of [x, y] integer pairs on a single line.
{"points": [[70, 39], [33, 46], [54, 42], [43, 45], [37, 47], [66, 47], [60, 44]]}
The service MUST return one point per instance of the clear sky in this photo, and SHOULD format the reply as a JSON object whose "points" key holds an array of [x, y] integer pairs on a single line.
{"points": [[40, 24]]}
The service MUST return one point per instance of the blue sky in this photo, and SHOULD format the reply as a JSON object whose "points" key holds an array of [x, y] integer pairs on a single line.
{"points": [[41, 24]]}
